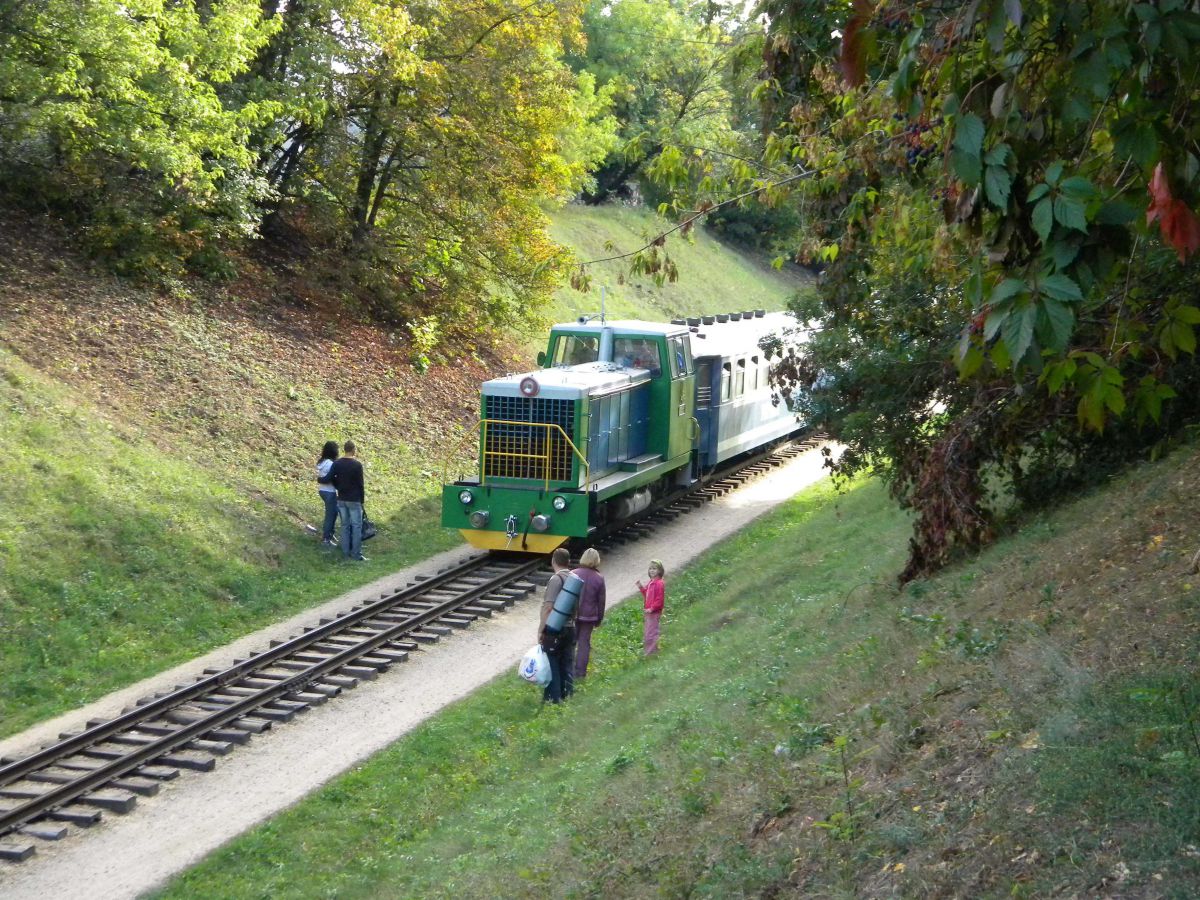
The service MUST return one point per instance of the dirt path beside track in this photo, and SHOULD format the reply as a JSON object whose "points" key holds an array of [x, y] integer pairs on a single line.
{"points": [[127, 856]]}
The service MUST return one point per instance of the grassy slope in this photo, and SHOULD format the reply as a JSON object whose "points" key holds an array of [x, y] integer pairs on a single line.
{"points": [[712, 278], [1024, 724], [122, 557], [162, 454]]}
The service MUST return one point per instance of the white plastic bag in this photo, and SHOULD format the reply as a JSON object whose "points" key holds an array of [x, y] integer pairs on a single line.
{"points": [[535, 666]]}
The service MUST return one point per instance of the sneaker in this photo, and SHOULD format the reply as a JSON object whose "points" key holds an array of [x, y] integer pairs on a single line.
{"points": [[328, 543], [361, 559]]}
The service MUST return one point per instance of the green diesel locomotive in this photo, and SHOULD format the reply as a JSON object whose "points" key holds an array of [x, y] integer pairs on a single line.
{"points": [[620, 414]]}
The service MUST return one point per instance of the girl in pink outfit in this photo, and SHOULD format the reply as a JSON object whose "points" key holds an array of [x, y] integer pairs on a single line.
{"points": [[652, 611]]}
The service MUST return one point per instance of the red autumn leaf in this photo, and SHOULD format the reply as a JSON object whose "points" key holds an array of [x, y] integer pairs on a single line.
{"points": [[1179, 225], [1181, 229], [853, 58], [1160, 195]]}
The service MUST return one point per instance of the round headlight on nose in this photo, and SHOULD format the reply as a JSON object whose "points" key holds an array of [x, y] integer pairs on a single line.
{"points": [[479, 518], [541, 523], [560, 503], [466, 498]]}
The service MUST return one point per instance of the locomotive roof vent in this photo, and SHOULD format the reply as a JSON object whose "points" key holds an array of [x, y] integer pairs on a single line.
{"points": [[708, 320], [722, 317], [735, 317], [695, 321], [759, 313], [679, 321], [749, 314]]}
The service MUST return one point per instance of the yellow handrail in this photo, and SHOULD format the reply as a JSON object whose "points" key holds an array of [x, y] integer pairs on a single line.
{"points": [[517, 453]]}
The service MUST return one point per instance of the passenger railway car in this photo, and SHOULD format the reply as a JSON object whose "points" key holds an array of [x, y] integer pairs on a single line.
{"points": [[620, 414]]}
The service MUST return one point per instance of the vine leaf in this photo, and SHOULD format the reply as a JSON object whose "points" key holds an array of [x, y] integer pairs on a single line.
{"points": [[1043, 218], [968, 136], [997, 183]]}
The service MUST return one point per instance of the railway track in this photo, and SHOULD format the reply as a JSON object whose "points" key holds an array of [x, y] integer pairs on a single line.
{"points": [[107, 766], [670, 508]]}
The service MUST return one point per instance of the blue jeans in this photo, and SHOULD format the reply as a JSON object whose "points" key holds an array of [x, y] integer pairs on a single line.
{"points": [[351, 514], [562, 668], [331, 514]]}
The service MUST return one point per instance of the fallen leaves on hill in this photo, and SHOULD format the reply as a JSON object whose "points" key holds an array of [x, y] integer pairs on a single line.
{"points": [[262, 368]]}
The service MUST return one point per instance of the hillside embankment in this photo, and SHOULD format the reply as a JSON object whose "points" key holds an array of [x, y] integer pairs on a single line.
{"points": [[160, 443], [1023, 724]]}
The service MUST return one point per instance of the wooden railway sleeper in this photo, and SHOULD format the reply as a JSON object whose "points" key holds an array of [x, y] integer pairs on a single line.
{"points": [[360, 672], [117, 801], [73, 815], [228, 735], [158, 773], [57, 775], [44, 831], [13, 852]]}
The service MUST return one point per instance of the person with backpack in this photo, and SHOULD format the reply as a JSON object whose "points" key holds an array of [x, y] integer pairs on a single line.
{"points": [[560, 647]]}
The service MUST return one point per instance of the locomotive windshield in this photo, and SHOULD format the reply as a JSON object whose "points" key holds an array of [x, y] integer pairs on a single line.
{"points": [[575, 349]]}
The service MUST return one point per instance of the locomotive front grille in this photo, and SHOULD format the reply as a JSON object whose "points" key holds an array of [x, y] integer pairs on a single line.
{"points": [[520, 440]]}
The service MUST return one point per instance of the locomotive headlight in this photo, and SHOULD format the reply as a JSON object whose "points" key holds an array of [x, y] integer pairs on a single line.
{"points": [[479, 518], [560, 503], [466, 498], [541, 523]]}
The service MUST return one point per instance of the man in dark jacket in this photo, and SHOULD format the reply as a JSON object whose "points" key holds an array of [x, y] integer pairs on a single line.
{"points": [[346, 474], [560, 650]]}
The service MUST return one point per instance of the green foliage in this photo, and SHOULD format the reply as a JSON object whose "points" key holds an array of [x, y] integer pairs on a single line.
{"points": [[114, 110], [666, 66], [994, 298], [404, 148]]}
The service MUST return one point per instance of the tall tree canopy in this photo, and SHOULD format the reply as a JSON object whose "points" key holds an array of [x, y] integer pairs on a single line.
{"points": [[111, 99], [666, 65], [408, 144]]}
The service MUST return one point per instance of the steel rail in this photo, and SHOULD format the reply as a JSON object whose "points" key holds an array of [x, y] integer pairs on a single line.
{"points": [[24, 813]]}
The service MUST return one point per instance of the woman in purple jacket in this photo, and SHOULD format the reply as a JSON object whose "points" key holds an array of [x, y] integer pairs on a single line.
{"points": [[591, 607]]}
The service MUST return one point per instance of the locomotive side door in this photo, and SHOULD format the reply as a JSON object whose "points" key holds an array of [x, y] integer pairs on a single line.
{"points": [[683, 396]]}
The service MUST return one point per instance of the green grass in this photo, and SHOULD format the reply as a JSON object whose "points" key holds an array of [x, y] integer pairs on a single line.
{"points": [[713, 277], [1125, 752], [808, 731], [122, 557], [497, 797]]}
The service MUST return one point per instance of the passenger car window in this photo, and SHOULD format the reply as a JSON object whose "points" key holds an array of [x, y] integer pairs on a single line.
{"points": [[726, 380]]}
